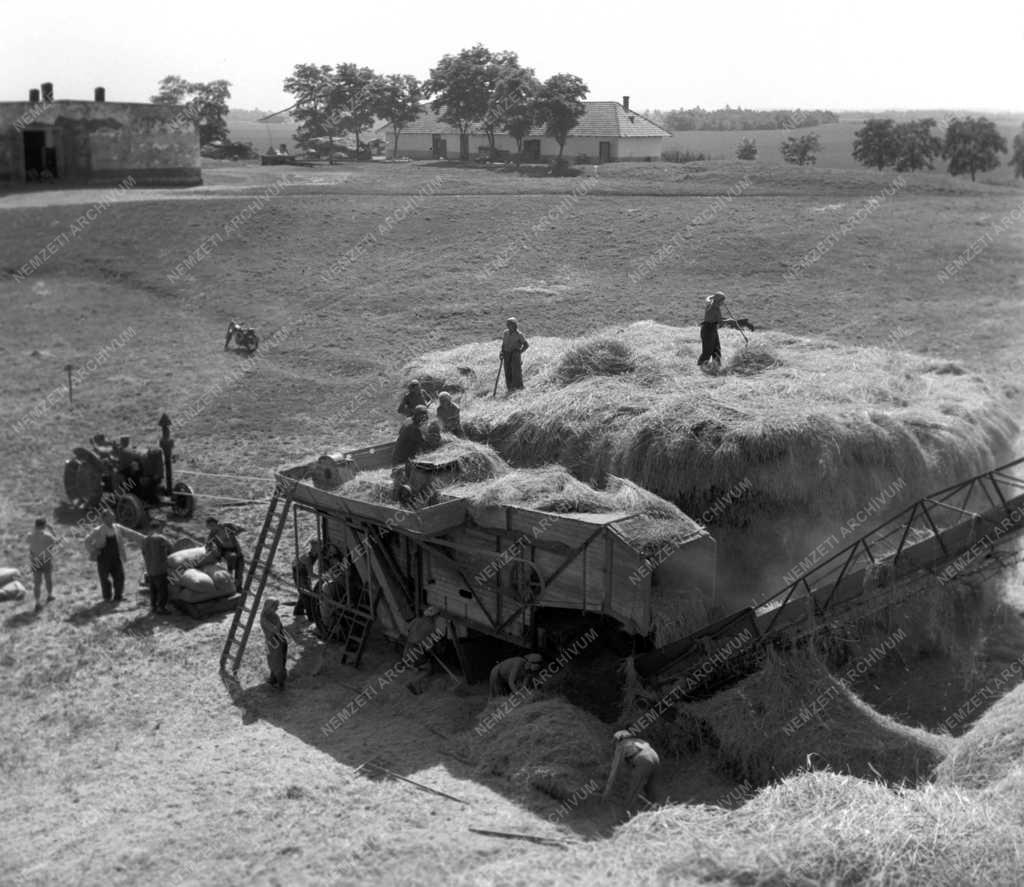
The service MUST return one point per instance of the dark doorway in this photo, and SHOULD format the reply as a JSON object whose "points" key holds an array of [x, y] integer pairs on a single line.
{"points": [[35, 154], [439, 148], [604, 152], [531, 150]]}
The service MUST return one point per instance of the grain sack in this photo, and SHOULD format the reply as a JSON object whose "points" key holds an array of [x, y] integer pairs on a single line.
{"points": [[198, 580], [185, 559], [224, 582], [12, 591], [8, 574]]}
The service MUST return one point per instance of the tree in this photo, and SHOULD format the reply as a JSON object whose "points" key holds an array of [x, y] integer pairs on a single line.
{"points": [[312, 87], [461, 90], [1017, 160], [801, 150], [915, 145], [354, 98], [747, 149], [399, 102], [208, 105], [513, 86], [874, 144], [972, 145], [560, 106], [173, 89]]}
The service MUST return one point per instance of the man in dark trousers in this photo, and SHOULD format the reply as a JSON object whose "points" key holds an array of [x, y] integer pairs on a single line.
{"points": [[155, 549], [414, 397], [711, 347], [106, 546], [513, 344], [304, 569], [223, 540], [277, 643]]}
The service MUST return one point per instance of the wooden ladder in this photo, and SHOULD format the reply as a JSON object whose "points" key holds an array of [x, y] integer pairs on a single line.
{"points": [[360, 620], [256, 580]]}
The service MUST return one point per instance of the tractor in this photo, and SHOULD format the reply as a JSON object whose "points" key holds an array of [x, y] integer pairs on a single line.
{"points": [[112, 473]]}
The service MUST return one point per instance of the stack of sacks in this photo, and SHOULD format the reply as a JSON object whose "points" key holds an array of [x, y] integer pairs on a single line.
{"points": [[11, 588], [194, 579]]}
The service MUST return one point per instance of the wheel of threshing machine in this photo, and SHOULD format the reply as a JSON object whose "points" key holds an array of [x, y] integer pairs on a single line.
{"points": [[130, 511], [183, 501], [331, 600]]}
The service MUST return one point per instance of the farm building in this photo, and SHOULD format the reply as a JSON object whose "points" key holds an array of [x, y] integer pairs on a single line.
{"points": [[607, 132], [97, 142]]}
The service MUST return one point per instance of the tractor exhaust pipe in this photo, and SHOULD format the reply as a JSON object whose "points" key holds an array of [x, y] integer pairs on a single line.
{"points": [[167, 445]]}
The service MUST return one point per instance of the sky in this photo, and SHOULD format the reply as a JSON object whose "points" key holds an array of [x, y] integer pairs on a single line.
{"points": [[866, 55]]}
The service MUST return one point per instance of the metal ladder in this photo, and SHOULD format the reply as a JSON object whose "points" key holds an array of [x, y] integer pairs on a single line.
{"points": [[256, 580]]}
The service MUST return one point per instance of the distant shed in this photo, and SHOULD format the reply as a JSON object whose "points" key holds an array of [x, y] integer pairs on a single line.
{"points": [[97, 143]]}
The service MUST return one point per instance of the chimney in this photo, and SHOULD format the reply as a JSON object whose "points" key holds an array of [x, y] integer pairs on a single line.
{"points": [[47, 92], [100, 94], [33, 96], [625, 102]]}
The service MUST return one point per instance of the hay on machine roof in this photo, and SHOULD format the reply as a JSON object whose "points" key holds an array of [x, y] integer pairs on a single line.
{"points": [[813, 425]]}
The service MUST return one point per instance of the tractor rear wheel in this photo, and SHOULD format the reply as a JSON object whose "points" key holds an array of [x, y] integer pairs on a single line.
{"points": [[130, 511], [183, 501], [83, 482]]}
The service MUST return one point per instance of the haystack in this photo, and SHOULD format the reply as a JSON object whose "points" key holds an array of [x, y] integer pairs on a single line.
{"points": [[813, 429], [793, 712], [549, 745], [994, 746]]}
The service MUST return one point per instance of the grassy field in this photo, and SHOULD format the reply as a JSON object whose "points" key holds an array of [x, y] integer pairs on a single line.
{"points": [[126, 759]]}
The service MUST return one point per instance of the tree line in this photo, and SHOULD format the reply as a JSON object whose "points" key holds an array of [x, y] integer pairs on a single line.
{"points": [[744, 119], [476, 88]]}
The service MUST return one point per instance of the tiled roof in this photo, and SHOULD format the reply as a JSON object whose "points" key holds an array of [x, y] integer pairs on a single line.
{"points": [[604, 120]]}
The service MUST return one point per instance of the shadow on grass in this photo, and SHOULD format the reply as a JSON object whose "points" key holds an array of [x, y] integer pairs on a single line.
{"points": [[20, 620], [86, 614]]}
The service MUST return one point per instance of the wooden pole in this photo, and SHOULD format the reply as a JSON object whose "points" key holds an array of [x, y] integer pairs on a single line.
{"points": [[68, 368]]}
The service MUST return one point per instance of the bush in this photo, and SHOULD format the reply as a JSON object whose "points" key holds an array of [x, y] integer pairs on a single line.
{"points": [[747, 150], [683, 156]]}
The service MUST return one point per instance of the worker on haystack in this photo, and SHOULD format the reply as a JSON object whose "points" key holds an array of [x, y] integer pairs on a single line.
{"points": [[414, 397], [303, 569], [711, 347], [277, 643], [644, 767], [448, 414], [422, 638], [222, 540], [512, 675], [513, 344], [411, 442]]}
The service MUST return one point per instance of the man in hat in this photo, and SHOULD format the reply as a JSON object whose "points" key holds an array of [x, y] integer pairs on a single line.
{"points": [[304, 568], [513, 344], [448, 414], [643, 765], [711, 347], [413, 398], [424, 635], [411, 442], [277, 643], [511, 675], [156, 548]]}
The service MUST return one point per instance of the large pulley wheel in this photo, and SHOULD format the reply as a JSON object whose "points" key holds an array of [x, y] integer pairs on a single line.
{"points": [[183, 501], [83, 482], [130, 511]]}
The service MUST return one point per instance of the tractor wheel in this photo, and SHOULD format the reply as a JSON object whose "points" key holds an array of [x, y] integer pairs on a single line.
{"points": [[130, 511], [83, 482], [183, 501], [250, 341]]}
